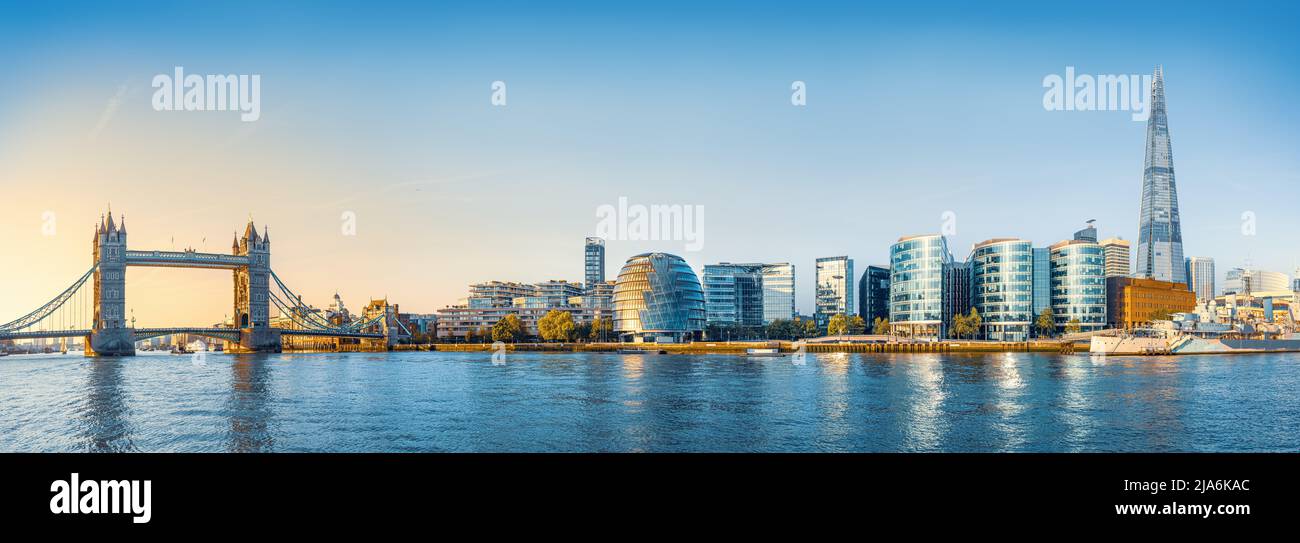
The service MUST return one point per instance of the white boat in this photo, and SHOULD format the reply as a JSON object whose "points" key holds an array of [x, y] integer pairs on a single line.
{"points": [[763, 352]]}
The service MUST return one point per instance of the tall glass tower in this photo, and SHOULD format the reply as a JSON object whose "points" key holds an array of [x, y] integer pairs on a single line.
{"points": [[1160, 236]]}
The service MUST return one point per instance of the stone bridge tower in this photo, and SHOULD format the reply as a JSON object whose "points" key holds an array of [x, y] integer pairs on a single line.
{"points": [[252, 292], [110, 335]]}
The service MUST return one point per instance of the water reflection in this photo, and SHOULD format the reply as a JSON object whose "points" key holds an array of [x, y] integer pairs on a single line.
{"points": [[924, 429], [103, 421], [248, 406]]}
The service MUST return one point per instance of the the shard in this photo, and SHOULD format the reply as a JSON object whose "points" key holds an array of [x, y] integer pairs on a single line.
{"points": [[1160, 236]]}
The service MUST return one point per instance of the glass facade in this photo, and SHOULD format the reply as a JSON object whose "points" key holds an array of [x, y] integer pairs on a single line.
{"points": [[916, 266], [733, 294], [1200, 276], [1160, 236], [873, 294], [1003, 288], [1042, 282], [594, 262], [834, 289], [957, 296], [658, 297], [1079, 285], [778, 292]]}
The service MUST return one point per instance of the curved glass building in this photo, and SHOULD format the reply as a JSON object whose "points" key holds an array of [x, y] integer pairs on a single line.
{"points": [[658, 298], [916, 265], [1079, 284], [1002, 277]]}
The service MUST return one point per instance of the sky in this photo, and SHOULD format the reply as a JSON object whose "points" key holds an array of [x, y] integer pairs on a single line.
{"points": [[384, 112]]}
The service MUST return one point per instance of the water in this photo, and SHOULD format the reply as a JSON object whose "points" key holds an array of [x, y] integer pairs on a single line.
{"points": [[610, 402]]}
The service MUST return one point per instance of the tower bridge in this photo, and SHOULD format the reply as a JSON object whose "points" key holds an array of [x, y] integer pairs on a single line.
{"points": [[94, 307]]}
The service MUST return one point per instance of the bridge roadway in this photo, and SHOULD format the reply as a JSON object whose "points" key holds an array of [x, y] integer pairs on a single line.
{"points": [[185, 259]]}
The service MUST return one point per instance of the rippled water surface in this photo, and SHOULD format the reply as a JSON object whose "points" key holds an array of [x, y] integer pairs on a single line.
{"points": [[610, 402]]}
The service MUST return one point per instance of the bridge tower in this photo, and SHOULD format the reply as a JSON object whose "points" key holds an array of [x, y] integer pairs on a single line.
{"points": [[252, 292], [110, 335]]}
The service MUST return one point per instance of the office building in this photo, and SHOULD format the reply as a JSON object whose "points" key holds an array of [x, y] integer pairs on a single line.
{"points": [[873, 294], [916, 271], [957, 296], [1118, 257], [778, 281], [834, 293], [1078, 285], [1042, 282], [1134, 302], [733, 294], [1200, 277], [1002, 284], [1248, 281]]}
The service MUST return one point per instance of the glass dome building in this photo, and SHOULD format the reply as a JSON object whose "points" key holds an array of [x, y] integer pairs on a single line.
{"points": [[1079, 284], [1003, 285], [658, 298]]}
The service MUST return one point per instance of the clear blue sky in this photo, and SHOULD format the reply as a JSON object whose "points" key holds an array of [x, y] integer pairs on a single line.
{"points": [[383, 109]]}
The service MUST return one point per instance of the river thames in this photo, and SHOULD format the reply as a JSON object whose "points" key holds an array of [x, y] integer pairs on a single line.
{"points": [[428, 401]]}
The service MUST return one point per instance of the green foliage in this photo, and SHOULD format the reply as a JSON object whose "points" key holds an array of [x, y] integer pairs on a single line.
{"points": [[1074, 326], [556, 325], [602, 329], [508, 329], [838, 325], [880, 326], [1046, 323]]}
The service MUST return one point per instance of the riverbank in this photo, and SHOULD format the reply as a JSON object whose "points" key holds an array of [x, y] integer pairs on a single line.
{"points": [[785, 347]]}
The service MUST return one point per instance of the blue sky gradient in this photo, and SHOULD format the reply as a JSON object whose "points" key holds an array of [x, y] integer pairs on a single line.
{"points": [[383, 109]]}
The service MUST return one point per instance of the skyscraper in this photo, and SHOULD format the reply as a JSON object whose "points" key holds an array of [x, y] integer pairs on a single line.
{"points": [[1118, 258], [917, 266], [1200, 276], [1160, 236], [834, 294], [594, 262], [1079, 285], [1003, 287]]}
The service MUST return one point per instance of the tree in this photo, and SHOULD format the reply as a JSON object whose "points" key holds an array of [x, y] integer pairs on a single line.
{"points": [[601, 328], [1046, 322], [837, 325], [509, 328], [1162, 314], [856, 325], [974, 323], [1074, 326], [556, 325], [469, 336], [960, 326], [809, 328], [880, 326]]}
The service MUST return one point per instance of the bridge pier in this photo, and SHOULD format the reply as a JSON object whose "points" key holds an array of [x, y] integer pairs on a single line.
{"points": [[259, 339], [111, 342]]}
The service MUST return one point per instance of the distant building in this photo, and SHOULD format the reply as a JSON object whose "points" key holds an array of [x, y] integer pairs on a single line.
{"points": [[658, 298], [1118, 257], [1133, 302], [598, 296], [498, 294], [873, 294], [1002, 277], [834, 294], [1079, 285], [778, 281], [1089, 233], [916, 272], [594, 262], [733, 294], [1200, 276], [455, 323], [1247, 281], [557, 292]]}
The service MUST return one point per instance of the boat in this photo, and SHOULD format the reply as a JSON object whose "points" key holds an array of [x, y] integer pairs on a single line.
{"points": [[1171, 338], [641, 351], [763, 352]]}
